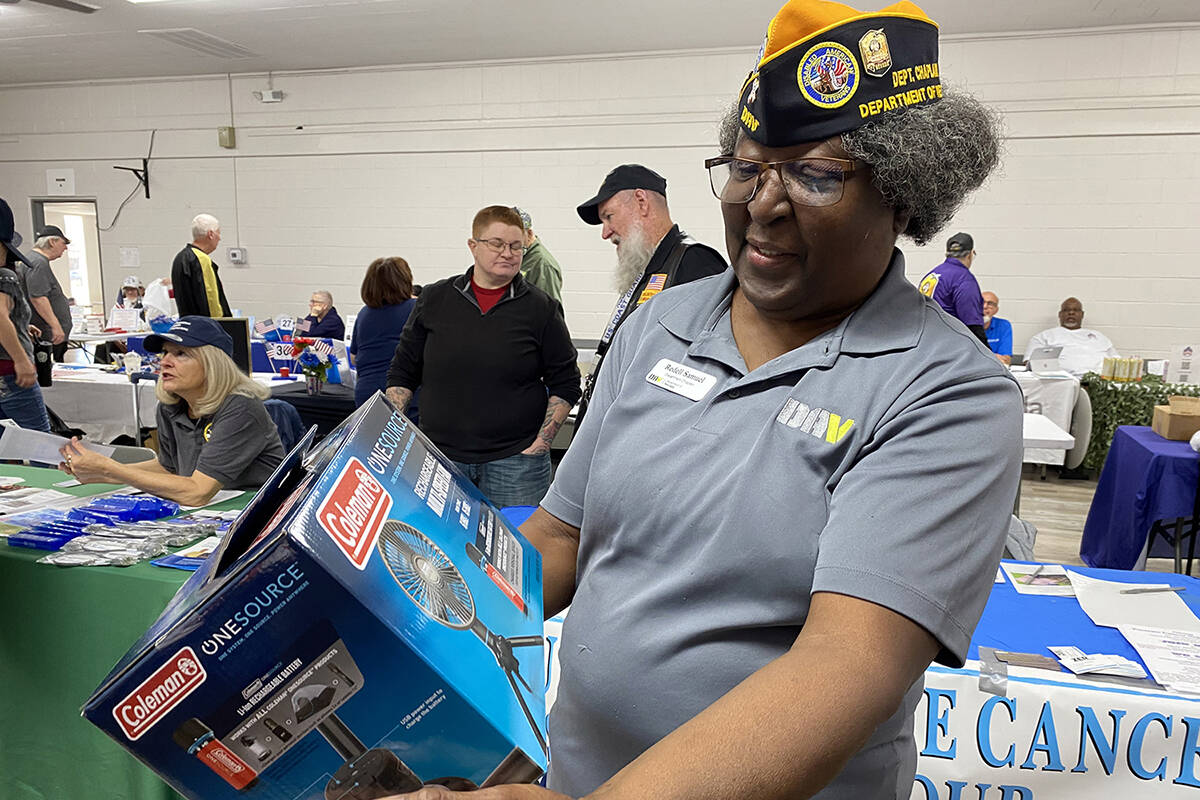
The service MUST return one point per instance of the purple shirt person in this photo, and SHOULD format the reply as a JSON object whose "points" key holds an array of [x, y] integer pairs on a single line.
{"points": [[952, 286]]}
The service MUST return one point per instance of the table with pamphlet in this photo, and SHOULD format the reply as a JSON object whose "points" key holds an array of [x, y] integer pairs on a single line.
{"points": [[1043, 734], [63, 630], [1047, 734]]}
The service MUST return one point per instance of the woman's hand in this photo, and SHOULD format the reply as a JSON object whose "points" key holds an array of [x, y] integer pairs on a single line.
{"points": [[510, 792], [86, 465]]}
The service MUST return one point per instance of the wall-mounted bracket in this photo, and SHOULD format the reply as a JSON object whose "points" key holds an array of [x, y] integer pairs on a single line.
{"points": [[143, 174]]}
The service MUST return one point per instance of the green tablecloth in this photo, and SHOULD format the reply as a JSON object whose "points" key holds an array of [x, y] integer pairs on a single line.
{"points": [[61, 632]]}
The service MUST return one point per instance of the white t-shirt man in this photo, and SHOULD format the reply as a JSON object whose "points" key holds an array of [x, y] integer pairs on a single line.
{"points": [[1083, 349]]}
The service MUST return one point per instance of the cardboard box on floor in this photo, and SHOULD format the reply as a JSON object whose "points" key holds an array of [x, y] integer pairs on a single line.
{"points": [[370, 624], [1179, 420]]}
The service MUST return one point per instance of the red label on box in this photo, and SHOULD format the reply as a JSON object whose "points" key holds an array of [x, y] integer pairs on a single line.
{"points": [[354, 510], [506, 587], [159, 693], [225, 763]]}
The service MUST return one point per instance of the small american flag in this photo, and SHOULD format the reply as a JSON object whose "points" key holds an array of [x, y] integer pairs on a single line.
{"points": [[322, 347], [264, 325]]}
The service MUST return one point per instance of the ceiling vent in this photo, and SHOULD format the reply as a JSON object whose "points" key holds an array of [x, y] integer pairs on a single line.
{"points": [[201, 42]]}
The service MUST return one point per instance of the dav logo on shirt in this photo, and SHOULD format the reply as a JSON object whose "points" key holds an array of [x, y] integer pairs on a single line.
{"points": [[159, 693], [354, 511], [814, 421]]}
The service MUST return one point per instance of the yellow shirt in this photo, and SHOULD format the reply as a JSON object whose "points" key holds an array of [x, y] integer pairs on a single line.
{"points": [[210, 283]]}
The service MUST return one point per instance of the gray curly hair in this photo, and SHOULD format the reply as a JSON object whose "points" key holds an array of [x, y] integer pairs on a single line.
{"points": [[925, 160]]}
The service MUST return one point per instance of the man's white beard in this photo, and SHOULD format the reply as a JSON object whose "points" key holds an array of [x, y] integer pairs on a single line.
{"points": [[633, 254]]}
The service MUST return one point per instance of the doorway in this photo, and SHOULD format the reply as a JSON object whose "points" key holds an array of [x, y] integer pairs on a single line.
{"points": [[79, 271]]}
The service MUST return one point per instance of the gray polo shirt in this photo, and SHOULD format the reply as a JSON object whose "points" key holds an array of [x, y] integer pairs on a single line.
{"points": [[879, 460], [40, 281], [238, 446]]}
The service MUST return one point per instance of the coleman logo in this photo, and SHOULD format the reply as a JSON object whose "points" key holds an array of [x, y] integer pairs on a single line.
{"points": [[159, 693], [354, 511], [228, 760], [814, 421]]}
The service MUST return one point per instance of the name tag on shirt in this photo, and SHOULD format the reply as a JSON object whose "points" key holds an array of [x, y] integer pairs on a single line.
{"points": [[683, 381]]}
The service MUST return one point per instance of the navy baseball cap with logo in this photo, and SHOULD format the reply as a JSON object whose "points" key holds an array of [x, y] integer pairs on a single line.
{"points": [[192, 332], [626, 176], [826, 68], [8, 234]]}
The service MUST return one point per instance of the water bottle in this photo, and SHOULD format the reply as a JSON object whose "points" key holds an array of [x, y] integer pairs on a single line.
{"points": [[43, 360]]}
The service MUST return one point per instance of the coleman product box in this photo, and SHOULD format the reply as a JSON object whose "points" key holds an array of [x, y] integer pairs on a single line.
{"points": [[370, 624], [1179, 420]]}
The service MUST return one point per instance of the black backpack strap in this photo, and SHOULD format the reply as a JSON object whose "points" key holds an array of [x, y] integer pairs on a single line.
{"points": [[671, 267]]}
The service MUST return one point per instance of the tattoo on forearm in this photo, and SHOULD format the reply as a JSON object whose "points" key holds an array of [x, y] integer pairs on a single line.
{"points": [[556, 414], [399, 396]]}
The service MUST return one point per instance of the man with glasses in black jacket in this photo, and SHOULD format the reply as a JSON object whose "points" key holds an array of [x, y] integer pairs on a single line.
{"points": [[495, 364]]}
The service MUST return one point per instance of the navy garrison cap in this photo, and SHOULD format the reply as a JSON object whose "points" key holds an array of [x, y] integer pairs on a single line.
{"points": [[826, 68]]}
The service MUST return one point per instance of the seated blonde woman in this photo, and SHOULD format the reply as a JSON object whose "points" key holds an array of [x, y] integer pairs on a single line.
{"points": [[213, 430]]}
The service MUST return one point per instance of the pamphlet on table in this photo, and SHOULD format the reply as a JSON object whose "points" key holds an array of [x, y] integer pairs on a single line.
{"points": [[1041, 579], [1082, 663], [1111, 604], [1173, 657], [23, 444]]}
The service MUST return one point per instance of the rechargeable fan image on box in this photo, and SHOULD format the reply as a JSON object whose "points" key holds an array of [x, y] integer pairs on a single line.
{"points": [[430, 579]]}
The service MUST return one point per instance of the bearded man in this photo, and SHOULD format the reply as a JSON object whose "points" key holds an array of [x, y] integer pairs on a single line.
{"points": [[653, 254]]}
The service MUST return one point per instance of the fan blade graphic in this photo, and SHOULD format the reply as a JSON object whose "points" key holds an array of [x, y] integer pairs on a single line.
{"points": [[427, 575], [430, 579]]}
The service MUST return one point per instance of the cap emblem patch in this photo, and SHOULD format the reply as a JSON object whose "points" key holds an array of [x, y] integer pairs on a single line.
{"points": [[876, 56], [828, 75]]}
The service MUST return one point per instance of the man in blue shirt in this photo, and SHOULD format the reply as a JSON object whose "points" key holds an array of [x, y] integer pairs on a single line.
{"points": [[999, 331], [954, 288]]}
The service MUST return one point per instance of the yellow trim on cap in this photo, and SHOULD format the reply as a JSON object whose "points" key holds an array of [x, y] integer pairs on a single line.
{"points": [[838, 24]]}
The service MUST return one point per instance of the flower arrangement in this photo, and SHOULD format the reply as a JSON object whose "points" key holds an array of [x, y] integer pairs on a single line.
{"points": [[316, 360]]}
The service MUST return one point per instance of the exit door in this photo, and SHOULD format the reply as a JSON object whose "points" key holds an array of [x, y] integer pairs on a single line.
{"points": [[78, 271]]}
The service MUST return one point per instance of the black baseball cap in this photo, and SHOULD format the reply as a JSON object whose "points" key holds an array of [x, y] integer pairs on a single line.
{"points": [[959, 244], [626, 176], [192, 332], [52, 230], [8, 234]]}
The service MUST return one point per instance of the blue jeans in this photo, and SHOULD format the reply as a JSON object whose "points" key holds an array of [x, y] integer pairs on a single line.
{"points": [[23, 406], [518, 480]]}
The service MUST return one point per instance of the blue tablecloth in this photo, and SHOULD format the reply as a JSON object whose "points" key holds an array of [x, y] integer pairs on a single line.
{"points": [[1024, 623], [1145, 478], [258, 353], [516, 515]]}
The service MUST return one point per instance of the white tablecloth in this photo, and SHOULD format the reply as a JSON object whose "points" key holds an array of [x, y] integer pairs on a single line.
{"points": [[1053, 398], [100, 403]]}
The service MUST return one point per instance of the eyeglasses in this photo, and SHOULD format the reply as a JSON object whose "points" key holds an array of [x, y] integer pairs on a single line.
{"points": [[808, 181], [499, 246]]}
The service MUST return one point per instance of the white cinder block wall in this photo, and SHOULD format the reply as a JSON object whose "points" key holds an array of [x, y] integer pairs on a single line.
{"points": [[1099, 195]]}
